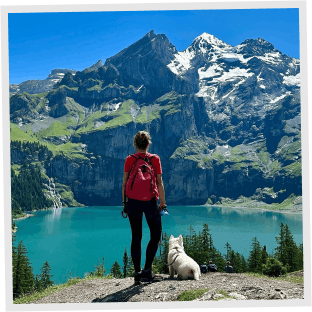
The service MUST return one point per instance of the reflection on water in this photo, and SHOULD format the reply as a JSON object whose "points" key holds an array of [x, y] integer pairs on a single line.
{"points": [[52, 219], [56, 213]]}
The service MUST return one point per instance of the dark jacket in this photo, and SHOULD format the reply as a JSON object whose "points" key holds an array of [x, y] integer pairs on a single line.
{"points": [[212, 268]]}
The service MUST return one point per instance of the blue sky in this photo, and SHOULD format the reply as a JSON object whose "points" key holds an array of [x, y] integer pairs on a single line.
{"points": [[40, 42]]}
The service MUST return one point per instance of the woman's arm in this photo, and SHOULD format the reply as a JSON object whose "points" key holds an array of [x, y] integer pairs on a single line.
{"points": [[160, 185], [125, 179]]}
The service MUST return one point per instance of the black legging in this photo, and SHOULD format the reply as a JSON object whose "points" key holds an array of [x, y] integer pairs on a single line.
{"points": [[153, 219]]}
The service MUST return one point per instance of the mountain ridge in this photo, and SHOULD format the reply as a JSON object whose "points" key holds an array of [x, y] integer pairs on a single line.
{"points": [[221, 117]]}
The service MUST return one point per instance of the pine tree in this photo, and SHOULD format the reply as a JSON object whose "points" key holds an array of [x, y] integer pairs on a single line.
{"points": [[115, 270], [238, 268], [45, 276], [206, 244], [192, 250], [300, 263], [218, 260], [254, 260], [125, 263], [130, 267], [287, 252], [244, 264], [228, 250], [234, 258], [23, 277], [264, 255], [100, 269], [37, 283]]}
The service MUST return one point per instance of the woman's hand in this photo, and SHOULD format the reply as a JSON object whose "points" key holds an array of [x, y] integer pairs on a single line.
{"points": [[162, 204]]}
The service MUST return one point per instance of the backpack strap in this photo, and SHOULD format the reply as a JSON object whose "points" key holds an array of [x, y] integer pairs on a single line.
{"points": [[137, 158]]}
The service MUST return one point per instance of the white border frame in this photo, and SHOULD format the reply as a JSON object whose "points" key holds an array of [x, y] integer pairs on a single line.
{"points": [[158, 6]]}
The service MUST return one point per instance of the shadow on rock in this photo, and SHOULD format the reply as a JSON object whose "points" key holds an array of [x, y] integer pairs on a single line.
{"points": [[122, 295]]}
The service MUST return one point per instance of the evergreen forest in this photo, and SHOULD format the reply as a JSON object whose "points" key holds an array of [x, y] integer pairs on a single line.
{"points": [[287, 257], [27, 191]]}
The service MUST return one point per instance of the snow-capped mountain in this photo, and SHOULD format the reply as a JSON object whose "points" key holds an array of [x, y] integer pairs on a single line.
{"points": [[220, 71], [225, 120]]}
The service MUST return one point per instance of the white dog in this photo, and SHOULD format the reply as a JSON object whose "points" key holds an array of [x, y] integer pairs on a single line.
{"points": [[184, 265]]}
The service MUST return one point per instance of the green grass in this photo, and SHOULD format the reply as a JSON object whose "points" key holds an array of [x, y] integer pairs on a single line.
{"points": [[248, 202], [218, 156], [238, 166], [294, 169], [288, 202], [237, 155], [58, 128], [54, 288], [170, 96], [192, 294], [67, 195], [224, 294], [264, 156], [289, 151], [274, 166], [287, 277], [121, 117], [175, 109], [87, 124], [71, 151], [97, 87], [17, 134]]}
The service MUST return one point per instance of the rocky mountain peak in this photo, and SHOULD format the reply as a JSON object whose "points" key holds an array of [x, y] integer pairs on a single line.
{"points": [[256, 47], [59, 73], [150, 34], [216, 113], [96, 65], [151, 43], [207, 42]]}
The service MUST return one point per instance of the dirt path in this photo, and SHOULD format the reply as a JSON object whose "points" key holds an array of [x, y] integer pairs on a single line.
{"points": [[237, 286]]}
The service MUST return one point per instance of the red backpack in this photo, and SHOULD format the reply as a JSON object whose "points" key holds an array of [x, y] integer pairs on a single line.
{"points": [[141, 184]]}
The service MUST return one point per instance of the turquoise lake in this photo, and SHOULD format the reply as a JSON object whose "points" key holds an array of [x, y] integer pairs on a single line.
{"points": [[73, 239]]}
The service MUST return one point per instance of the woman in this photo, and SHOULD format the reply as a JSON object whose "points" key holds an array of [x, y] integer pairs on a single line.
{"points": [[148, 167]]}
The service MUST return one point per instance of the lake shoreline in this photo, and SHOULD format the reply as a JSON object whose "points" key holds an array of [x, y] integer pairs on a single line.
{"points": [[290, 210], [28, 215]]}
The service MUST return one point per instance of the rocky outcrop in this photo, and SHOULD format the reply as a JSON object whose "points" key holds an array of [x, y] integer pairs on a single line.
{"points": [[221, 287]]}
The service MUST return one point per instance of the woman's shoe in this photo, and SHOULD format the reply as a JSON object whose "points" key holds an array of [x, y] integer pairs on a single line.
{"points": [[148, 276], [137, 278]]}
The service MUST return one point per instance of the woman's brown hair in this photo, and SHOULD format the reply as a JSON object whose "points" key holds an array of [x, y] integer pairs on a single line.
{"points": [[142, 140]]}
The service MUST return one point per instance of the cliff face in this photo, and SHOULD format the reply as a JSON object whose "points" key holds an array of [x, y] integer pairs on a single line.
{"points": [[224, 120]]}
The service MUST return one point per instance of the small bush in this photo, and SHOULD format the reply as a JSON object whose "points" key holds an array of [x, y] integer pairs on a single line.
{"points": [[273, 268]]}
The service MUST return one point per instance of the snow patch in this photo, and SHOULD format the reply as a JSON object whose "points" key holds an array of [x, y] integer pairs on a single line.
{"points": [[292, 80], [280, 97], [271, 58], [230, 57], [182, 61], [233, 74], [113, 107], [210, 72]]}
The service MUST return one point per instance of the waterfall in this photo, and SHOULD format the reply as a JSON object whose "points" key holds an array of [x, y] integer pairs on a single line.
{"points": [[53, 194]]}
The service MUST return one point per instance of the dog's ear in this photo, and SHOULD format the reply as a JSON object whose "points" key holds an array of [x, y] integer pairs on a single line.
{"points": [[181, 240], [171, 237]]}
